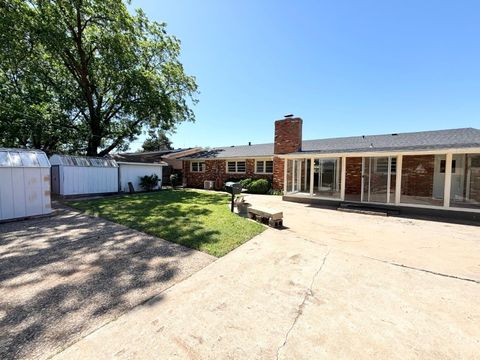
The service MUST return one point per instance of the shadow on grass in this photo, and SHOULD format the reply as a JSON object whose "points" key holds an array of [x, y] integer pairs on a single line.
{"points": [[64, 276], [194, 219]]}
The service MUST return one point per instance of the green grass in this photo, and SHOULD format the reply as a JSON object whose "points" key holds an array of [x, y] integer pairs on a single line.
{"points": [[197, 219]]}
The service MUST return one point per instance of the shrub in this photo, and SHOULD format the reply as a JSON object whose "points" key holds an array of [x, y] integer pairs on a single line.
{"points": [[259, 186], [174, 180], [246, 183], [149, 182], [275, 192]]}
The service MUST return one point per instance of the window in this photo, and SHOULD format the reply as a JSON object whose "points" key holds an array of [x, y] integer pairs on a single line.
{"points": [[236, 166], [197, 166], [443, 164], [264, 167], [382, 165]]}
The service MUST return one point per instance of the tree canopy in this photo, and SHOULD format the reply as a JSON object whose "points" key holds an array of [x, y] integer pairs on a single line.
{"points": [[87, 76], [156, 141]]}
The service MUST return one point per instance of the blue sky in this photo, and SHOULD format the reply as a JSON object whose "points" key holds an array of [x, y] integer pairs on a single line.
{"points": [[347, 67]]}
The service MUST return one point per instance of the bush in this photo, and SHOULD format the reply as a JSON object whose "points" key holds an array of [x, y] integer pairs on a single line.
{"points": [[246, 183], [275, 192], [149, 182], [174, 180], [259, 186]]}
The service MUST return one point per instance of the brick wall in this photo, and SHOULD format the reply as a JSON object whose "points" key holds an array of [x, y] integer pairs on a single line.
{"points": [[417, 175], [215, 170], [278, 173], [288, 135], [353, 178]]}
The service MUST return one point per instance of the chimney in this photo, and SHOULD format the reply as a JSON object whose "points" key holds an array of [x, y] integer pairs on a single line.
{"points": [[288, 135]]}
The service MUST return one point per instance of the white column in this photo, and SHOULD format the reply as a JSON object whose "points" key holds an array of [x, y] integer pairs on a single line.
{"points": [[312, 172], [389, 177], [343, 178], [448, 180], [285, 164], [398, 179]]}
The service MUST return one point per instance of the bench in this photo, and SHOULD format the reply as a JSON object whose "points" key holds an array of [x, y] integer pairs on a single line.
{"points": [[273, 218]]}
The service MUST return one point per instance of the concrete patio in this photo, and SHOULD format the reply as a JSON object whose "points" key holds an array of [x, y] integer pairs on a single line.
{"points": [[332, 285]]}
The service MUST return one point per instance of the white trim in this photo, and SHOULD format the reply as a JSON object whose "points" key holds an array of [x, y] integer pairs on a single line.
{"points": [[139, 164], [236, 166], [309, 155], [448, 180], [197, 172], [285, 164], [264, 167], [398, 179], [362, 180], [389, 180], [343, 178], [312, 173]]}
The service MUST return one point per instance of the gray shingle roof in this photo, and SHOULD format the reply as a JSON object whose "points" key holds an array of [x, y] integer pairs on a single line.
{"points": [[422, 140]]}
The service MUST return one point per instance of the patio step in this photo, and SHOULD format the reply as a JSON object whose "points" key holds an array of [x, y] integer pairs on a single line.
{"points": [[366, 210]]}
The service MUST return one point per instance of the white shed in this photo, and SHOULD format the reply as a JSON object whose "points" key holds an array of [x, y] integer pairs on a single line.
{"points": [[81, 175], [132, 171], [24, 183]]}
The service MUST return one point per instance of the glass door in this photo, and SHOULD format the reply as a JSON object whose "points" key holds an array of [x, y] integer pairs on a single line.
{"points": [[379, 179]]}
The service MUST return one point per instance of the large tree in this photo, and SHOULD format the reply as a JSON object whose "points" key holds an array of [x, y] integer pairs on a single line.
{"points": [[86, 76], [156, 141]]}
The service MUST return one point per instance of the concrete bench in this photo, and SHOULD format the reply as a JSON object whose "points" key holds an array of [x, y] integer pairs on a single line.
{"points": [[273, 218]]}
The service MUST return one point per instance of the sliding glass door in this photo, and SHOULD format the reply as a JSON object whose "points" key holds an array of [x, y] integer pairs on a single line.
{"points": [[379, 175]]}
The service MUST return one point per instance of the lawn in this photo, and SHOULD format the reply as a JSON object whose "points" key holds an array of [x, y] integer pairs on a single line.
{"points": [[197, 219]]}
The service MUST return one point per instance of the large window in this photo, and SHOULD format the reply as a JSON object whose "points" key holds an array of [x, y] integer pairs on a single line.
{"points": [[264, 166], [326, 177], [197, 166], [236, 167], [465, 181]]}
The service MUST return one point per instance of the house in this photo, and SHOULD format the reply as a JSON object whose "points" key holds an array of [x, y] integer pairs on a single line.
{"points": [[424, 170], [169, 158]]}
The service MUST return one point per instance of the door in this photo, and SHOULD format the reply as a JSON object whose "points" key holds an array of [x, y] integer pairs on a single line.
{"points": [[378, 179]]}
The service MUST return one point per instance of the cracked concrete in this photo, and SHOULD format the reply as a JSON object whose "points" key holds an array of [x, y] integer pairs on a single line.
{"points": [[308, 293], [270, 298]]}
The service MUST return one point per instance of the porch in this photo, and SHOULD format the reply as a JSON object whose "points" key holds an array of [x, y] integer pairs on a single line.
{"points": [[445, 180]]}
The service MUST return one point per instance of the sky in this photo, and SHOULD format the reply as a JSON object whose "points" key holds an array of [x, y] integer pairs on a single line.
{"points": [[346, 67]]}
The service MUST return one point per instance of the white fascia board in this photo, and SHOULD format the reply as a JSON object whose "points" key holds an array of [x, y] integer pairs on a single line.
{"points": [[381, 153]]}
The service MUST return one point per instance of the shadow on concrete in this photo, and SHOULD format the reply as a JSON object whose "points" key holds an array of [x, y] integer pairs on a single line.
{"points": [[64, 276]]}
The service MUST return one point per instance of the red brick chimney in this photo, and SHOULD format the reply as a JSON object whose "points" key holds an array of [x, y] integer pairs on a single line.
{"points": [[288, 139], [288, 135]]}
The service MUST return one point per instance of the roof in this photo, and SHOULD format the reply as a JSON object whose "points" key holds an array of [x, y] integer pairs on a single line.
{"points": [[422, 140], [161, 163], [152, 157], [23, 158], [83, 161]]}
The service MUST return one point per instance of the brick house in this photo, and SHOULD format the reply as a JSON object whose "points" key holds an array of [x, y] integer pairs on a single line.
{"points": [[429, 169]]}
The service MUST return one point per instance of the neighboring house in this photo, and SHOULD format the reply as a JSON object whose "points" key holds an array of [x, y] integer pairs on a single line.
{"points": [[170, 158], [430, 169]]}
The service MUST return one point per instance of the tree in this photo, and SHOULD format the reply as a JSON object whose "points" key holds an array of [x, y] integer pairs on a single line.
{"points": [[157, 141], [87, 76]]}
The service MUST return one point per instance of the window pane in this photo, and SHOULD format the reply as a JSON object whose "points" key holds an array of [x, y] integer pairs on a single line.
{"points": [[201, 166], [194, 166], [231, 166], [15, 159], [260, 166], [326, 177], [42, 159], [423, 181], [269, 167], [240, 166], [4, 160], [465, 181], [29, 159]]}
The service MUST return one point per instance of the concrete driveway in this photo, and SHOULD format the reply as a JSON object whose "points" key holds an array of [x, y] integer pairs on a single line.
{"points": [[64, 276], [332, 285]]}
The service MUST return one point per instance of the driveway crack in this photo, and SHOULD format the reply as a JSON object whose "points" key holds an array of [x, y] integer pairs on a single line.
{"points": [[308, 293], [425, 270]]}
